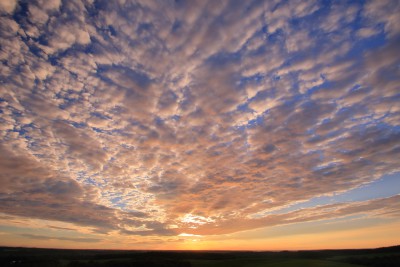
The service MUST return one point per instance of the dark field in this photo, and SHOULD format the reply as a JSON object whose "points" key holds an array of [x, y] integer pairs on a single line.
{"points": [[384, 257]]}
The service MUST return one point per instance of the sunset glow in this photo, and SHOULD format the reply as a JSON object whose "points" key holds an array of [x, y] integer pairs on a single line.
{"points": [[200, 125]]}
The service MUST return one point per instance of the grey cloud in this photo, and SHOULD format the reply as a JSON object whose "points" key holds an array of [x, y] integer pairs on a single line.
{"points": [[125, 77], [307, 115], [29, 189], [81, 144], [384, 65], [384, 12]]}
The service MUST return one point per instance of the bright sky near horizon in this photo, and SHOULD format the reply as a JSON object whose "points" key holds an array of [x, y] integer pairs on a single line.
{"points": [[251, 125]]}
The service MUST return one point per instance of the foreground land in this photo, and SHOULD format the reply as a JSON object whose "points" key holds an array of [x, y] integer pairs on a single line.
{"points": [[32, 257]]}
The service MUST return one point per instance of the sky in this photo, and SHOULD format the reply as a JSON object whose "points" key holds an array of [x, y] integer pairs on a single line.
{"points": [[227, 125]]}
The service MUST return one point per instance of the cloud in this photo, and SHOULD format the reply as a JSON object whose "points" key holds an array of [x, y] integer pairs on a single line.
{"points": [[60, 228], [8, 6], [130, 116], [367, 32], [383, 12], [42, 237], [379, 207]]}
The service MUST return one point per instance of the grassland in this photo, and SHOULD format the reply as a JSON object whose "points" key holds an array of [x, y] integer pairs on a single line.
{"points": [[382, 257], [271, 263]]}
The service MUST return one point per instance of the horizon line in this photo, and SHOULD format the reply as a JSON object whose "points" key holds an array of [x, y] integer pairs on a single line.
{"points": [[200, 250]]}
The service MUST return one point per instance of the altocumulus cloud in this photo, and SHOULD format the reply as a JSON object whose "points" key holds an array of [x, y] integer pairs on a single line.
{"points": [[169, 117]]}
